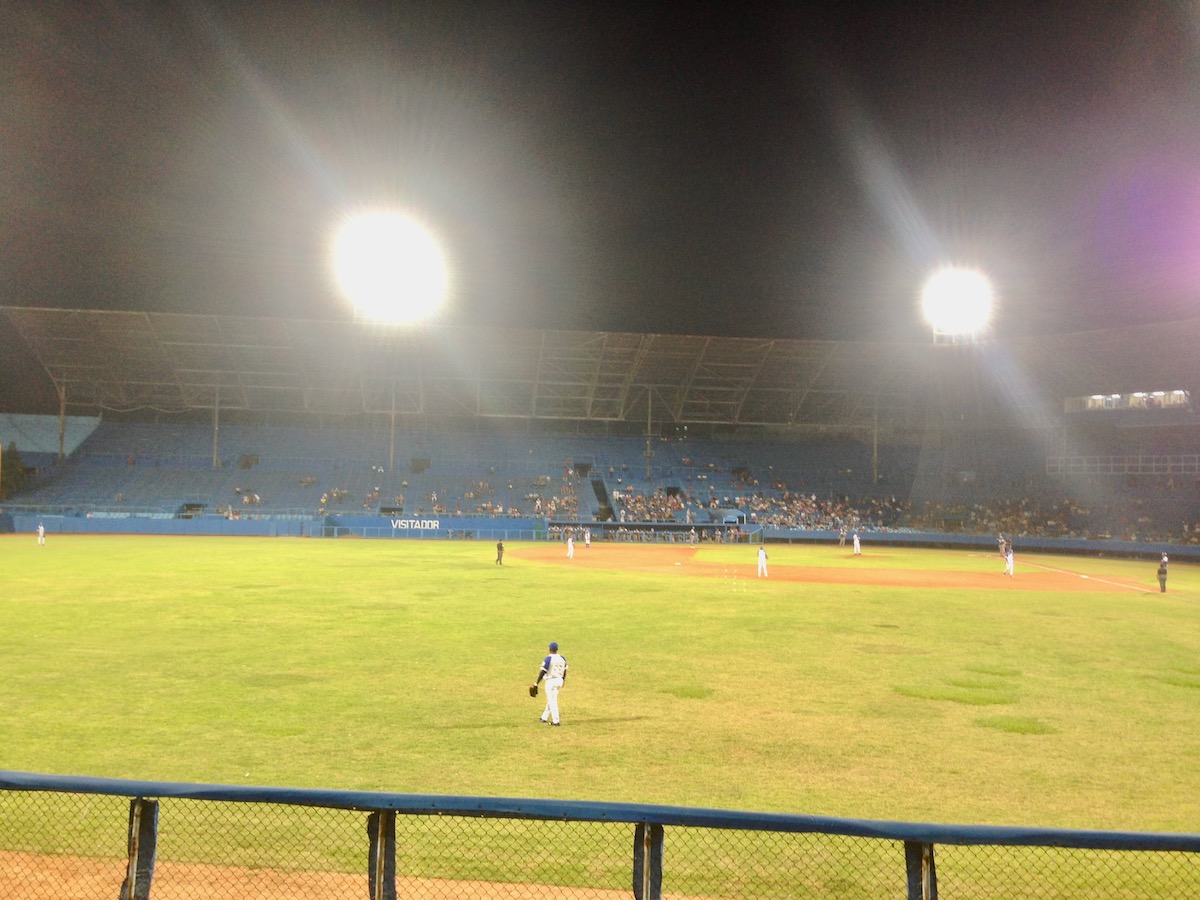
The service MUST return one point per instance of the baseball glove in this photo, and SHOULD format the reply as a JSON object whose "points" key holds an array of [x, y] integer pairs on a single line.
{"points": [[533, 690]]}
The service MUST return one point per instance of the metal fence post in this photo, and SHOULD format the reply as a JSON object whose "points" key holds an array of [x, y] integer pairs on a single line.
{"points": [[647, 845], [922, 873], [381, 858], [142, 847]]}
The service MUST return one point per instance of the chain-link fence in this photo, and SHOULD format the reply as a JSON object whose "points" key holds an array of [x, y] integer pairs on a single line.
{"points": [[65, 838]]}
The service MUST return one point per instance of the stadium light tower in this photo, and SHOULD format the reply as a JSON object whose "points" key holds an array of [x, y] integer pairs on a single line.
{"points": [[390, 267], [957, 303]]}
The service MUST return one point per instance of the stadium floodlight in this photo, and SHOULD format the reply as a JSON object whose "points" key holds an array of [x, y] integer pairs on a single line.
{"points": [[957, 303], [390, 267]]}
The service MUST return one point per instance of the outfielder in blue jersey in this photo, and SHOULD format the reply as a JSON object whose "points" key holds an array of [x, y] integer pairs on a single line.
{"points": [[554, 671]]}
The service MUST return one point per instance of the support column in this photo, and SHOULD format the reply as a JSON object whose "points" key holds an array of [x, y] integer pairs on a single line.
{"points": [[647, 845], [62, 420], [649, 427], [217, 428], [392, 439], [922, 872], [381, 858], [875, 445], [143, 845]]}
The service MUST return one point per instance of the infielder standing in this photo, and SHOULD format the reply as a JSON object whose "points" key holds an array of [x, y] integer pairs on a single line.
{"points": [[1008, 560], [41, 531], [762, 561], [857, 545], [554, 670], [570, 546]]}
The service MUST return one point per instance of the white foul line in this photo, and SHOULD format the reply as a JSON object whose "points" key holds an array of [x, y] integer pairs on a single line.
{"points": [[1132, 587]]}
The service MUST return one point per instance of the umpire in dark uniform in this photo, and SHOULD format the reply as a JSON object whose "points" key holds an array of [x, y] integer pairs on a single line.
{"points": [[1162, 574]]}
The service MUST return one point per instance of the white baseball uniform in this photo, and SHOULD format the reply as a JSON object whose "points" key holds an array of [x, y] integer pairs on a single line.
{"points": [[554, 670]]}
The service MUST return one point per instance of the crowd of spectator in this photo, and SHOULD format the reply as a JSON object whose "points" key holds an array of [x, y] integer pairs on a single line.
{"points": [[710, 493], [1021, 516], [810, 513], [660, 505], [778, 507], [1125, 520], [334, 495], [249, 497]]}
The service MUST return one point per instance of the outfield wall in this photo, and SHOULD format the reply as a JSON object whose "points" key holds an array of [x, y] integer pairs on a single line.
{"points": [[165, 525], [432, 527], [988, 542], [66, 837], [518, 529], [290, 526]]}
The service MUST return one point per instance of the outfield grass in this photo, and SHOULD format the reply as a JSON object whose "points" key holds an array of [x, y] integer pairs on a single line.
{"points": [[402, 666]]}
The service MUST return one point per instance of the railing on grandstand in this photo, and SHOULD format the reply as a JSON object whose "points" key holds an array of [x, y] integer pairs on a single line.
{"points": [[499, 533], [282, 463], [150, 512], [63, 836], [1126, 464], [97, 512], [628, 534]]}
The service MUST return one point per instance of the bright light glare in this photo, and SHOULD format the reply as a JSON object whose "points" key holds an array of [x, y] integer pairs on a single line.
{"points": [[957, 302], [390, 267]]}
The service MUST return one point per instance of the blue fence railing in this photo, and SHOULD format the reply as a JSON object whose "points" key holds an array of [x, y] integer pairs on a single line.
{"points": [[181, 840]]}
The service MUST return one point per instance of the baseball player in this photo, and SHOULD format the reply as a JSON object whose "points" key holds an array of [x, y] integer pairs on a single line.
{"points": [[1008, 559], [570, 546], [587, 538], [554, 670], [41, 531], [762, 561], [1162, 574], [857, 545], [500, 553]]}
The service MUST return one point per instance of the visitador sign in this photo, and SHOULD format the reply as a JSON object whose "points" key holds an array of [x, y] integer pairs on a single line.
{"points": [[417, 524], [447, 526]]}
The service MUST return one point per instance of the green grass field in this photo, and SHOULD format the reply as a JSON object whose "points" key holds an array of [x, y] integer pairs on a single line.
{"points": [[403, 666]]}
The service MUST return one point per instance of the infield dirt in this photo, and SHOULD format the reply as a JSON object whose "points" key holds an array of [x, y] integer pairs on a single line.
{"points": [[684, 561]]}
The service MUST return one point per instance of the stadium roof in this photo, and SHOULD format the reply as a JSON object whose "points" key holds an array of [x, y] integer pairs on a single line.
{"points": [[171, 362]]}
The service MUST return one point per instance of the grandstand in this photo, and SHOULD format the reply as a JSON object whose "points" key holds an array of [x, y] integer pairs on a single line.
{"points": [[180, 416]]}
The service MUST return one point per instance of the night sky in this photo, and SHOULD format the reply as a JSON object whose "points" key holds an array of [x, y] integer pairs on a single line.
{"points": [[783, 170]]}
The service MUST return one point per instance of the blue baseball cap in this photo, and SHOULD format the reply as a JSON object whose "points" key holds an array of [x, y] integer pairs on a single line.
{"points": [[554, 646]]}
